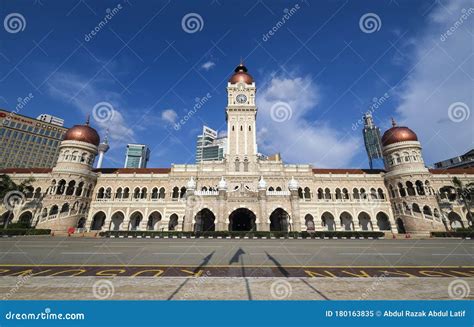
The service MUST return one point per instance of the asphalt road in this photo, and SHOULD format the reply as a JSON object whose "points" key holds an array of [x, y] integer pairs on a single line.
{"points": [[215, 252]]}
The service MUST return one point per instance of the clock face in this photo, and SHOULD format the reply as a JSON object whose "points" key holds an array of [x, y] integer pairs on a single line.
{"points": [[241, 98]]}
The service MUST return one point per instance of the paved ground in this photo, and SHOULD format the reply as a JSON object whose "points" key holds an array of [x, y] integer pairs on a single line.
{"points": [[37, 268]]}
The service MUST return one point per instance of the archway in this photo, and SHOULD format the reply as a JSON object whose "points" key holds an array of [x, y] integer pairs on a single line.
{"points": [[81, 223], [455, 220], [98, 220], [346, 221], [242, 220], [400, 226], [135, 220], [309, 222], [173, 222], [26, 218], [364, 221], [153, 221], [279, 220], [205, 221], [117, 220], [382, 221], [328, 221]]}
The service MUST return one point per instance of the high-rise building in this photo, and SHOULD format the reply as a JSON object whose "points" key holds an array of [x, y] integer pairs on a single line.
{"points": [[372, 142], [51, 119], [27, 142], [209, 146], [137, 156], [463, 161]]}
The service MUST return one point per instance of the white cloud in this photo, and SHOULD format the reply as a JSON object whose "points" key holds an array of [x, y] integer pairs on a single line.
{"points": [[84, 96], [298, 139], [442, 75], [169, 115], [208, 65]]}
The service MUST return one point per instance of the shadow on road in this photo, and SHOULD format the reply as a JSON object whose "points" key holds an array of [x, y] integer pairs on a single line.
{"points": [[285, 273], [235, 259], [204, 262]]}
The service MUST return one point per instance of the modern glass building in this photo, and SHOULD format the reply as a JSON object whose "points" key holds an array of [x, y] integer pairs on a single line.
{"points": [[137, 156], [27, 142], [209, 147]]}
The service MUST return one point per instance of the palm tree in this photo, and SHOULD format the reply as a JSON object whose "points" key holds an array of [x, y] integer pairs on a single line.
{"points": [[7, 185], [465, 195]]}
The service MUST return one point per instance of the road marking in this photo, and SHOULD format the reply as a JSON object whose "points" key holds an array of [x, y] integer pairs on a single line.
{"points": [[451, 254], [180, 253], [364, 254], [91, 253], [286, 253], [195, 246], [12, 252]]}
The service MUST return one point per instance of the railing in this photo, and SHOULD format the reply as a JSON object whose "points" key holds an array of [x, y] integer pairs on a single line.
{"points": [[206, 193], [278, 193]]}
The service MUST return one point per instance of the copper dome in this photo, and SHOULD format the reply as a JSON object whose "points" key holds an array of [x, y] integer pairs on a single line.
{"points": [[241, 75], [398, 134], [82, 133]]}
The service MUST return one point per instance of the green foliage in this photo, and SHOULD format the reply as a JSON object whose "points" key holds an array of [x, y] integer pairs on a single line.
{"points": [[19, 225], [457, 233], [30, 231]]}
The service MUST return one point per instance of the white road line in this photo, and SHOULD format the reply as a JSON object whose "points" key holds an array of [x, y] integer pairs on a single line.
{"points": [[452, 254], [91, 253], [365, 254], [286, 253], [180, 253], [12, 252], [195, 246]]}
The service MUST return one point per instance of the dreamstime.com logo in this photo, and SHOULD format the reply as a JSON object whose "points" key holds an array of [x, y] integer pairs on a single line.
{"points": [[46, 315], [103, 112], [14, 23], [103, 289], [13, 199], [458, 112], [458, 289], [192, 23], [281, 289], [370, 23], [281, 112]]}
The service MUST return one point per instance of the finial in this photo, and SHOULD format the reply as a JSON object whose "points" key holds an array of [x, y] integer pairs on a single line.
{"points": [[393, 122], [241, 61], [88, 119], [106, 138]]}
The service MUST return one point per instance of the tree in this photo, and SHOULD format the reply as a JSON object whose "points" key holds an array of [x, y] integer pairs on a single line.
{"points": [[11, 192], [465, 194]]}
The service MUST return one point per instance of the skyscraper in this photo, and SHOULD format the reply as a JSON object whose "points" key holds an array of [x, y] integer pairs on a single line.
{"points": [[372, 138], [210, 147], [27, 142], [137, 156]]}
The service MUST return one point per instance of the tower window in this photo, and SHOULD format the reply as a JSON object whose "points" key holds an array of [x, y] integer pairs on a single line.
{"points": [[232, 128], [241, 128], [250, 129]]}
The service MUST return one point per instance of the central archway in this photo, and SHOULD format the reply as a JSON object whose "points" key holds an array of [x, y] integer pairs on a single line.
{"points": [[279, 220], [242, 219], [205, 221]]}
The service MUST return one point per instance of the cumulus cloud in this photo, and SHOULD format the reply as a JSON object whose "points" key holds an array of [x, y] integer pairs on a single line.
{"points": [[442, 75], [208, 65], [85, 95], [283, 107], [169, 115]]}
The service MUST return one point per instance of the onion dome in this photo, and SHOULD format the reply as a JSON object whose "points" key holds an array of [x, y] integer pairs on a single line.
{"points": [[398, 134], [83, 133], [191, 185], [241, 75]]}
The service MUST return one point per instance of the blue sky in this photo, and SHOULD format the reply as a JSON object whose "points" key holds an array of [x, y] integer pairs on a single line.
{"points": [[321, 62]]}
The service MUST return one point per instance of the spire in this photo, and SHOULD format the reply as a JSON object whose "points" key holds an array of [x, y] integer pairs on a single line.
{"points": [[241, 61], [393, 122], [88, 119], [106, 138]]}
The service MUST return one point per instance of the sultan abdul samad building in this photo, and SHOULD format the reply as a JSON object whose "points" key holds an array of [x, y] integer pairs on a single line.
{"points": [[242, 192]]}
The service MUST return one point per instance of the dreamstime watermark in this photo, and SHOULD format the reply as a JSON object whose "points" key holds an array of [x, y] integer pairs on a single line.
{"points": [[110, 13], [370, 23], [373, 287], [288, 13], [46, 315], [195, 288], [458, 112], [192, 23], [199, 103], [13, 199], [103, 112], [465, 13], [21, 281], [14, 23], [375, 106], [103, 289], [281, 289], [458, 289], [281, 111], [21, 103]]}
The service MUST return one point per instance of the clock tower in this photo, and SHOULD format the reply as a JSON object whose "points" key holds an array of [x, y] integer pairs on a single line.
{"points": [[241, 114]]}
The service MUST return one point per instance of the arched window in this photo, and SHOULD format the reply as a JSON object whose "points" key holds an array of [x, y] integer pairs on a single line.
{"points": [[100, 193], [162, 193], [136, 193], [345, 194], [420, 189], [108, 193], [416, 209], [271, 189], [300, 192], [175, 194], [327, 194], [79, 189], [119, 193], [278, 188], [182, 193], [37, 194], [381, 195], [392, 192], [144, 193], [401, 190], [373, 194], [427, 211], [154, 193], [320, 194], [126, 193], [307, 193], [338, 194], [54, 210], [355, 194]]}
